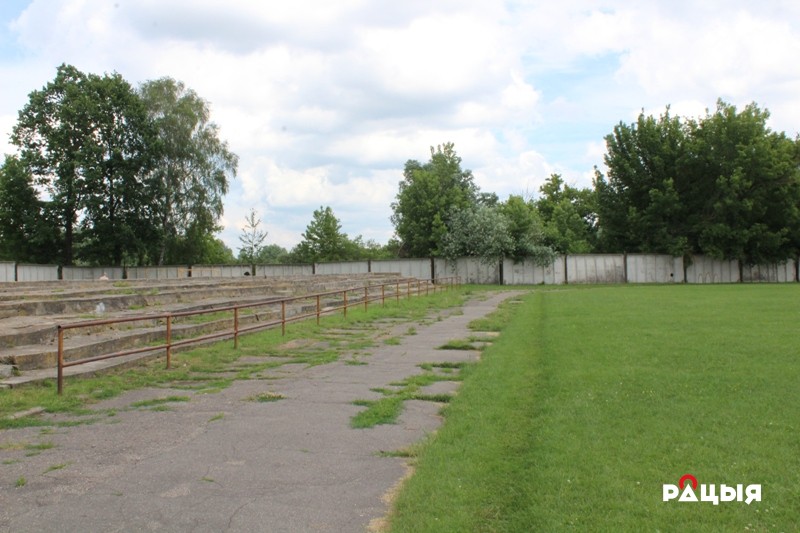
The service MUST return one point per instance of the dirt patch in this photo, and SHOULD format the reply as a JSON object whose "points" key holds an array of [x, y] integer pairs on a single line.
{"points": [[381, 524]]}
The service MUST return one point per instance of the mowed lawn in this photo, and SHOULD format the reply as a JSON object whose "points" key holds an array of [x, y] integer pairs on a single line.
{"points": [[592, 398]]}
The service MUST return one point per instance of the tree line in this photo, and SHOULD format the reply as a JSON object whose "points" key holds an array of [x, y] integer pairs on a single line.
{"points": [[110, 174], [723, 185]]}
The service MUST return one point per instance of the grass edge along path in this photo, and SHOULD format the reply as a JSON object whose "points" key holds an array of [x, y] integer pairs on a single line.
{"points": [[592, 398]]}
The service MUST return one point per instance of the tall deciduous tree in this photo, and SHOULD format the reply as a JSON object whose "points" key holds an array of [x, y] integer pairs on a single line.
{"points": [[427, 195], [639, 204], [527, 231], [724, 185], [478, 231], [118, 217], [193, 165], [27, 231], [85, 138], [568, 216], [748, 180], [51, 131]]}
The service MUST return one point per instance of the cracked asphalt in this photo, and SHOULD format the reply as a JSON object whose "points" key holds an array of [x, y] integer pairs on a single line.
{"points": [[222, 462]]}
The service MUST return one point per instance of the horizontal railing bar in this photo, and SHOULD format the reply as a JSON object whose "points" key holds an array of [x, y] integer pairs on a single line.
{"points": [[400, 287]]}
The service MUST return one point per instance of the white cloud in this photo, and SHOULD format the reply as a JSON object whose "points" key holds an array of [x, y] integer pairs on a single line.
{"points": [[325, 101]]}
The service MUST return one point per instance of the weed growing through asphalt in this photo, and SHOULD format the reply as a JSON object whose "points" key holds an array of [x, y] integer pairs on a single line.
{"points": [[51, 468], [159, 401], [264, 397], [387, 409], [457, 344]]}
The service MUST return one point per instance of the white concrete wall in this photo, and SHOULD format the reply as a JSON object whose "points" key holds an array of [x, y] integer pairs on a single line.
{"points": [[774, 273], [37, 272], [469, 269], [284, 270], [162, 272], [649, 268], [596, 268], [8, 271], [704, 269], [410, 268], [526, 272], [343, 267], [219, 271], [90, 273]]}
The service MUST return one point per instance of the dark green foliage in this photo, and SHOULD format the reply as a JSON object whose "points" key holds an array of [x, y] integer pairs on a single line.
{"points": [[131, 177], [724, 185], [323, 240], [569, 216], [27, 229], [427, 195], [193, 166]]}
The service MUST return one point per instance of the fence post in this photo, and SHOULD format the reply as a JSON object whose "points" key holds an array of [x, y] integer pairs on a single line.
{"points": [[318, 309], [345, 302], [366, 296], [283, 317], [60, 379], [383, 295]]}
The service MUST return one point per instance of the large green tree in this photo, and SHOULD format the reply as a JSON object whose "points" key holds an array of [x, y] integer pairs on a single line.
{"points": [[118, 218], [746, 180], [639, 205], [192, 170], [495, 231], [86, 140], [568, 216], [51, 131], [27, 230], [478, 231], [427, 195], [723, 185]]}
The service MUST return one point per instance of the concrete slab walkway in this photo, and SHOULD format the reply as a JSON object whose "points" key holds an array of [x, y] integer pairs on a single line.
{"points": [[222, 463]]}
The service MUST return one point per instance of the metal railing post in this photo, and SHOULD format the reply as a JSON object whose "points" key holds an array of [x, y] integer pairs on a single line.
{"points": [[60, 360], [169, 341], [235, 328]]}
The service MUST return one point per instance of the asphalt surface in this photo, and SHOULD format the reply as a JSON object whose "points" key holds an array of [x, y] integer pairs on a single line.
{"points": [[222, 462]]}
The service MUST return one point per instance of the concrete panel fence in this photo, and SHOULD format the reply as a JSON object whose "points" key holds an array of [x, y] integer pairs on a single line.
{"points": [[565, 269]]}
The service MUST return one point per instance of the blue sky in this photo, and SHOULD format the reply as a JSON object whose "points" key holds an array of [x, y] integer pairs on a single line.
{"points": [[325, 101]]}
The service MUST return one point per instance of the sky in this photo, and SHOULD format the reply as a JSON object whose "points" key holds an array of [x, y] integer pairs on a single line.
{"points": [[325, 101]]}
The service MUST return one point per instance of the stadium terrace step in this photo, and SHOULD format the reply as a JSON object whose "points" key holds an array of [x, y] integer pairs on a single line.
{"points": [[28, 342]]}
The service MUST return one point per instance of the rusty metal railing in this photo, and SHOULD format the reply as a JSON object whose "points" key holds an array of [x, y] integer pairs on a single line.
{"points": [[364, 295]]}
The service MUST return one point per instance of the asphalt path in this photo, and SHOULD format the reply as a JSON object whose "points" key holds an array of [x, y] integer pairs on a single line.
{"points": [[222, 462]]}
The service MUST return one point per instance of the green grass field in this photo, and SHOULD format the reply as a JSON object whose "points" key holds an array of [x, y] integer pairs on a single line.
{"points": [[592, 398]]}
